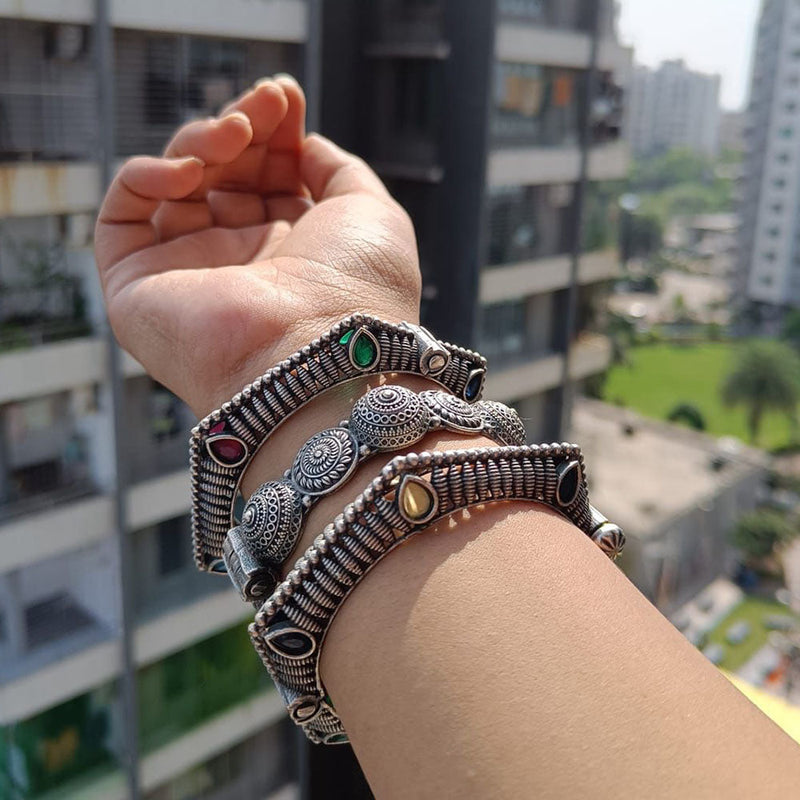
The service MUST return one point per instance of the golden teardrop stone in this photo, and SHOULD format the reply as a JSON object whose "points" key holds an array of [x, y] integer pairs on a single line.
{"points": [[416, 500]]}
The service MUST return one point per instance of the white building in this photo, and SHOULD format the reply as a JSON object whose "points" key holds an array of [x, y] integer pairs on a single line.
{"points": [[769, 272], [673, 106]]}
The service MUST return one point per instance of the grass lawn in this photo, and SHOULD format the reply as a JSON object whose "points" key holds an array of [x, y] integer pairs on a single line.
{"points": [[752, 609], [660, 376]]}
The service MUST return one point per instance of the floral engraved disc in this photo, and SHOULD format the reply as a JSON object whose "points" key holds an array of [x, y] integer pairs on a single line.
{"points": [[272, 520], [503, 422], [389, 418], [325, 461], [457, 414]]}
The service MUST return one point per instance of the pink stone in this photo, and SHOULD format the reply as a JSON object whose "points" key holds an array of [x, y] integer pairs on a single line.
{"points": [[218, 428]]}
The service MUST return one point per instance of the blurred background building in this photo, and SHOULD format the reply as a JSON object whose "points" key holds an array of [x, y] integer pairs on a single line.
{"points": [[495, 124], [769, 245], [673, 106]]}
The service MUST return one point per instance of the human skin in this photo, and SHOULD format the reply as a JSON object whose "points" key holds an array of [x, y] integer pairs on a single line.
{"points": [[499, 654]]}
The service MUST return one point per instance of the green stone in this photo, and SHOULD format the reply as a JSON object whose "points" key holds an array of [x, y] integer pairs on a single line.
{"points": [[346, 337], [364, 351]]}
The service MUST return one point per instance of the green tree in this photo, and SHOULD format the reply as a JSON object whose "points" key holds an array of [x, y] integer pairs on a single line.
{"points": [[758, 532], [766, 377]]}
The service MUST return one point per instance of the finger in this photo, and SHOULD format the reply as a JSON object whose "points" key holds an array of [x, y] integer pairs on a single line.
{"points": [[124, 222], [237, 209], [178, 218], [290, 133], [289, 208], [328, 171], [215, 141], [265, 105]]}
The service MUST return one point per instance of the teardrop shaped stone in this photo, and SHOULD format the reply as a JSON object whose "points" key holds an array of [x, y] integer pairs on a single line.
{"points": [[473, 387], [569, 479], [292, 643], [364, 349], [227, 449], [416, 500]]}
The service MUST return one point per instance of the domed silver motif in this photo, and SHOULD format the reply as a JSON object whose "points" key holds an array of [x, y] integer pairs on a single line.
{"points": [[503, 422], [389, 417], [325, 461], [610, 539], [456, 414], [272, 521]]}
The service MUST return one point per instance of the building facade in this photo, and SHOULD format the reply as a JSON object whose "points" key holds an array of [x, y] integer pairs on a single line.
{"points": [[495, 124], [478, 117], [673, 106], [769, 270], [208, 723]]}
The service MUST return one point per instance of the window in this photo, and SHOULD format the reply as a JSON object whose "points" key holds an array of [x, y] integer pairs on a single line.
{"points": [[416, 104], [786, 133], [773, 232], [536, 104], [502, 333], [171, 537]]}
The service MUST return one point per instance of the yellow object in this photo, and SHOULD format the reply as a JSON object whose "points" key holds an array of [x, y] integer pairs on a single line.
{"points": [[783, 714]]}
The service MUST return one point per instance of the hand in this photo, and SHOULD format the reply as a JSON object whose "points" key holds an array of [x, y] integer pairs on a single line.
{"points": [[245, 241]]}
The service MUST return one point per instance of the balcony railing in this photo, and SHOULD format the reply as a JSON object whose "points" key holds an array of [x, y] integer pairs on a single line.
{"points": [[34, 315]]}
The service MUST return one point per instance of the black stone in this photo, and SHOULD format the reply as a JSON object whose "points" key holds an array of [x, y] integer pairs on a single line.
{"points": [[337, 738], [569, 481], [473, 387], [293, 643]]}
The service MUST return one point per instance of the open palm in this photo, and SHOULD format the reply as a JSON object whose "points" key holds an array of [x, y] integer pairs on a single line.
{"points": [[245, 241]]}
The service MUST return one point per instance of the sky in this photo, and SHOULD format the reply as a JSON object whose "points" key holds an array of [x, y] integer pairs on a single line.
{"points": [[713, 36]]}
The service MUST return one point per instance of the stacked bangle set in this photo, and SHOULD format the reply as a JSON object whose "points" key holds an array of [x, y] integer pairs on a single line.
{"points": [[408, 495]]}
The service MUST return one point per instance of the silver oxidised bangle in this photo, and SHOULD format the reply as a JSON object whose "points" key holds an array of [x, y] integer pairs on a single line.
{"points": [[411, 493], [384, 419], [224, 443]]}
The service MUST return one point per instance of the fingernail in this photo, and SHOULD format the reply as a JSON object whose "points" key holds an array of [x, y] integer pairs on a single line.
{"points": [[240, 115], [189, 159], [286, 76], [263, 81]]}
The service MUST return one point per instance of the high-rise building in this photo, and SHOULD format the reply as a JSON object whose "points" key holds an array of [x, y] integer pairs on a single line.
{"points": [[495, 124], [769, 274], [206, 721], [673, 106], [477, 116]]}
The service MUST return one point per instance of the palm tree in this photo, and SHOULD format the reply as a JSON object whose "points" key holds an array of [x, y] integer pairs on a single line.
{"points": [[766, 377]]}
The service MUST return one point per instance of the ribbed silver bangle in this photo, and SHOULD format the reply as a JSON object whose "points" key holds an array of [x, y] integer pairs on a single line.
{"points": [[384, 419], [411, 493], [224, 443]]}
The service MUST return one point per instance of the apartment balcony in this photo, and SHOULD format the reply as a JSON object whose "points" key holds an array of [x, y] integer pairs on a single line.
{"points": [[31, 316], [270, 20], [528, 165], [47, 684], [67, 745], [248, 728], [509, 282], [533, 374], [590, 354], [526, 376], [529, 43], [45, 455], [55, 609], [43, 188]]}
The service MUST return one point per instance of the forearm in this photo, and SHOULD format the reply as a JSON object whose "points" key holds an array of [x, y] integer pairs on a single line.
{"points": [[501, 654]]}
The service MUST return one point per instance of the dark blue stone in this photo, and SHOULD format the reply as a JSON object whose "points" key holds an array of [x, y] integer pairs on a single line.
{"points": [[473, 387]]}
